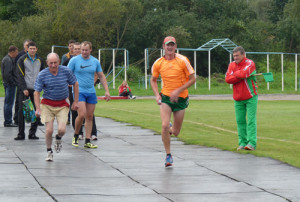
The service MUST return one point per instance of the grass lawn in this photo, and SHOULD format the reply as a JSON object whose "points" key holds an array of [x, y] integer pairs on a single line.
{"points": [[212, 123]]}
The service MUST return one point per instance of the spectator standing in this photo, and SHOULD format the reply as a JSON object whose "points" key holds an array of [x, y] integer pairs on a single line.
{"points": [[240, 73], [23, 52], [28, 67], [69, 54], [9, 79]]}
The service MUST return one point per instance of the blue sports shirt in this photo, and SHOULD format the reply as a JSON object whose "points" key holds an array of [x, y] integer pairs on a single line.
{"points": [[84, 70]]}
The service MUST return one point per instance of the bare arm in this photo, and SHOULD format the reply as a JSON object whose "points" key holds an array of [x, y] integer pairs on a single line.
{"points": [[153, 82], [104, 83], [174, 94], [76, 95], [37, 103]]}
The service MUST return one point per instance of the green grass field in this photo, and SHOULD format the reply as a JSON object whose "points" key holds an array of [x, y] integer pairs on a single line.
{"points": [[212, 123]]}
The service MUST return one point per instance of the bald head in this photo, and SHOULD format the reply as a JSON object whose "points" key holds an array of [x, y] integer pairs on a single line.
{"points": [[53, 62], [52, 55]]}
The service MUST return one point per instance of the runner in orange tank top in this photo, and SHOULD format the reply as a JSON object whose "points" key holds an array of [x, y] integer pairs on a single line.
{"points": [[177, 75]]}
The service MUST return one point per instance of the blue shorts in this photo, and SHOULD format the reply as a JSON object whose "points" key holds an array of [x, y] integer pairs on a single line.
{"points": [[89, 98]]}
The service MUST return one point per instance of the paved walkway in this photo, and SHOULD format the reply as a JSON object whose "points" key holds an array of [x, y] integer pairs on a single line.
{"points": [[129, 166]]}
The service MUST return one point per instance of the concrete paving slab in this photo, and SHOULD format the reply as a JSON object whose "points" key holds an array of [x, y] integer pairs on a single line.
{"points": [[108, 198], [129, 166]]}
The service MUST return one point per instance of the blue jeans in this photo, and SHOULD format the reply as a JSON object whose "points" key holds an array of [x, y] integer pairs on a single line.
{"points": [[10, 92]]}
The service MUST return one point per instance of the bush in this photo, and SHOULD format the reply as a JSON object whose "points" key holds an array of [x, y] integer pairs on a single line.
{"points": [[134, 73]]}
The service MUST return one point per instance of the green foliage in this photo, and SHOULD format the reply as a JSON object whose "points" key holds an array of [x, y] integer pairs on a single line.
{"points": [[134, 73], [257, 25], [14, 10]]}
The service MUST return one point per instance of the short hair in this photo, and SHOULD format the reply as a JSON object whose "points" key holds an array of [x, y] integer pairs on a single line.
{"points": [[71, 41], [239, 49], [87, 43], [77, 43], [26, 40], [12, 49], [51, 54], [31, 43]]}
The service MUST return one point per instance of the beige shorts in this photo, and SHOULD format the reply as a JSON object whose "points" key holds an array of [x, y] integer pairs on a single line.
{"points": [[48, 113]]}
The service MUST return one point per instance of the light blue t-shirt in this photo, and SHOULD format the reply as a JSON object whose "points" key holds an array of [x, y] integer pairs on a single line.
{"points": [[84, 70], [55, 87]]}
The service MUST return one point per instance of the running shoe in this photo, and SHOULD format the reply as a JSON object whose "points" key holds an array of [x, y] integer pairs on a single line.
{"points": [[169, 161], [75, 142], [249, 147], [80, 137], [240, 148], [57, 145], [49, 156], [94, 137], [90, 145]]}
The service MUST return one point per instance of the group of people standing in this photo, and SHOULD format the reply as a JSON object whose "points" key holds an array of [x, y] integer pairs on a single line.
{"points": [[19, 71], [31, 77], [75, 79]]}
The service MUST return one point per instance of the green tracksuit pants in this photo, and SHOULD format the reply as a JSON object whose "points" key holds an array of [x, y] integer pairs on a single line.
{"points": [[245, 113]]}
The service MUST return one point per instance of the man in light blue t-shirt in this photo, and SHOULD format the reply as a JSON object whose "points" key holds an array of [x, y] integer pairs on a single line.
{"points": [[84, 67]]}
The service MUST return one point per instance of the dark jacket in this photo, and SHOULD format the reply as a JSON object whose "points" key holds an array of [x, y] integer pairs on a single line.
{"points": [[19, 55], [8, 71], [27, 71]]}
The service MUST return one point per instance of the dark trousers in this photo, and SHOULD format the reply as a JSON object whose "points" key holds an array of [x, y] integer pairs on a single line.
{"points": [[126, 94], [21, 121], [16, 115], [10, 92]]}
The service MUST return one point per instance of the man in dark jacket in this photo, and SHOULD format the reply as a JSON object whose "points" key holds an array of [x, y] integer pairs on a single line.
{"points": [[28, 67], [9, 78], [23, 52]]}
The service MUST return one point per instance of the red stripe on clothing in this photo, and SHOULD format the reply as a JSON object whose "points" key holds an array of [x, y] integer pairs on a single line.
{"points": [[253, 86], [55, 103]]}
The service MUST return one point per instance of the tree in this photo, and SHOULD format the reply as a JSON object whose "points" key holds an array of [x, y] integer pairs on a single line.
{"points": [[289, 27], [14, 10]]}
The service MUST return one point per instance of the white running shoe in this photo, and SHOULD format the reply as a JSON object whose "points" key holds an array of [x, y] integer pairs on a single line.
{"points": [[80, 137], [57, 145], [49, 156]]}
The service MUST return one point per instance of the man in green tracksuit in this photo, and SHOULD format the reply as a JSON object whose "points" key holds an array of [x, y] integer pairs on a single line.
{"points": [[240, 73]]}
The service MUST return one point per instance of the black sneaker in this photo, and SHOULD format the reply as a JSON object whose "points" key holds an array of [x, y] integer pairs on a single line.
{"points": [[10, 125], [20, 137], [33, 137]]}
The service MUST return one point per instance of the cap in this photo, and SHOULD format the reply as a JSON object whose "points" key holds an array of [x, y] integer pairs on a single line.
{"points": [[169, 39]]}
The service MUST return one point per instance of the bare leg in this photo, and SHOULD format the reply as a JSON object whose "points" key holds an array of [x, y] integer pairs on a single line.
{"points": [[81, 115], [61, 129], [90, 108], [49, 131], [165, 114], [178, 119]]}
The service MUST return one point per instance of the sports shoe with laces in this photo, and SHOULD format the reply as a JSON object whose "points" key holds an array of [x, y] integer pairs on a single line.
{"points": [[94, 137], [249, 147], [57, 145], [240, 148], [75, 142], [169, 161], [90, 145], [49, 156], [80, 137]]}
